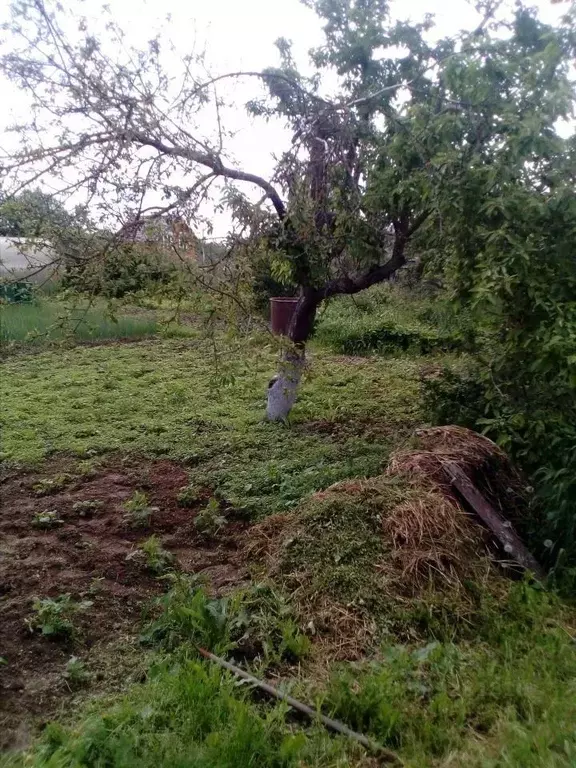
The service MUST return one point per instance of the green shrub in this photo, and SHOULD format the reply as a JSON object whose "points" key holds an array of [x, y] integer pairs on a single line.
{"points": [[507, 249], [188, 616], [19, 292], [387, 320], [158, 560], [265, 280], [87, 507], [537, 428], [454, 398], [189, 496], [209, 520], [385, 338], [47, 519], [265, 626], [48, 485], [130, 268], [257, 621], [138, 510], [75, 672]]}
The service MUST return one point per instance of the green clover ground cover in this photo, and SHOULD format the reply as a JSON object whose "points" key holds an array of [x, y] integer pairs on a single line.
{"points": [[168, 398]]}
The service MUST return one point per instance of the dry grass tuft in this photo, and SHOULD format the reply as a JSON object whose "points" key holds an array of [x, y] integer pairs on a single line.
{"points": [[440, 445], [341, 632], [433, 540], [433, 535], [487, 466], [265, 539]]}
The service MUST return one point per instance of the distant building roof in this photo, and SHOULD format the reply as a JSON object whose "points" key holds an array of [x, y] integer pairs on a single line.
{"points": [[163, 229]]}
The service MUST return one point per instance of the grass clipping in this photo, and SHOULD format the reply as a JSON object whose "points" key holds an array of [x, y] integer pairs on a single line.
{"points": [[396, 551]]}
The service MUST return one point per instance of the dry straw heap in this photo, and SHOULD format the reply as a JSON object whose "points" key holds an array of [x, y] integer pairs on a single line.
{"points": [[397, 552]]}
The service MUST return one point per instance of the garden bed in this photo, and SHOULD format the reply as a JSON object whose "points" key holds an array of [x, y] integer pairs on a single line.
{"points": [[65, 531]]}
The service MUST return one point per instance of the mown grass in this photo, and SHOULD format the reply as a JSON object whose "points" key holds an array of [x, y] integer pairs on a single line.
{"points": [[506, 700], [43, 321], [187, 714], [509, 701], [169, 398]]}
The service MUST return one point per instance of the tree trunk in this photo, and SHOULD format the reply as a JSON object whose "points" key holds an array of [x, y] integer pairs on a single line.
{"points": [[283, 389]]}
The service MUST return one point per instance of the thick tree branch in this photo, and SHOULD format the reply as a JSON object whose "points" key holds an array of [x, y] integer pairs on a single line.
{"points": [[217, 166], [302, 322], [356, 283], [417, 223], [349, 284]]}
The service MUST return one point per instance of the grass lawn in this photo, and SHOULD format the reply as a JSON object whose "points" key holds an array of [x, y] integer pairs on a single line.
{"points": [[505, 699], [43, 321], [168, 398]]}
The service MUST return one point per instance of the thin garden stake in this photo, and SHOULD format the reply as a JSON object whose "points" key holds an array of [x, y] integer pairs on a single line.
{"points": [[332, 725]]}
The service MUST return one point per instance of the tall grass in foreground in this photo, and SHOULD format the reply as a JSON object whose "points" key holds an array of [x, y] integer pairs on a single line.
{"points": [[186, 714], [505, 702], [46, 321]]}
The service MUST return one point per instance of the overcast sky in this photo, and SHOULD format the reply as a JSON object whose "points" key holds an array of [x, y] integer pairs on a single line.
{"points": [[240, 35]]}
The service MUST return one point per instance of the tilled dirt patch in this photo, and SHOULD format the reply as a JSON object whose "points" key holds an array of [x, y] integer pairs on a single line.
{"points": [[89, 554]]}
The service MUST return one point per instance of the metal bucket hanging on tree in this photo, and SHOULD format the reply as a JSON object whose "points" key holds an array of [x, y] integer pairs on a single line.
{"points": [[281, 312]]}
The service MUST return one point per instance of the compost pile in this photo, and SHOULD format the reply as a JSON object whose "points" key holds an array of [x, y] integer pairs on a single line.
{"points": [[398, 552]]}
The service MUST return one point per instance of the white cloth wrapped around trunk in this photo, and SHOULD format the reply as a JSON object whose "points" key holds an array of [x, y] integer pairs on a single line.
{"points": [[283, 389]]}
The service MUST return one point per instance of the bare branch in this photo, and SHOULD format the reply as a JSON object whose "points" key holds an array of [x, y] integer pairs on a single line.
{"points": [[214, 162], [264, 76]]}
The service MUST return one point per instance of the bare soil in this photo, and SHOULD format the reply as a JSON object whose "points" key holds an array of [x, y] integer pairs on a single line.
{"points": [[89, 557], [344, 428]]}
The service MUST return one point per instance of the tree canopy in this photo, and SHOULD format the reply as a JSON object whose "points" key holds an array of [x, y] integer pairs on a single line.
{"points": [[32, 213], [414, 125]]}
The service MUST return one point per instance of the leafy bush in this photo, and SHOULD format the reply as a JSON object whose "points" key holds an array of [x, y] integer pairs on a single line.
{"points": [[87, 507], [158, 560], [209, 520], [47, 519], [385, 338], [265, 626], [130, 270], [16, 292], [127, 269], [189, 616], [507, 246], [189, 495], [254, 622], [454, 398], [535, 425], [75, 672], [48, 485], [388, 321], [267, 279], [138, 510]]}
